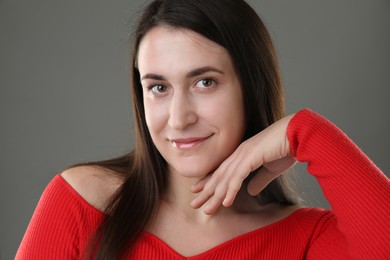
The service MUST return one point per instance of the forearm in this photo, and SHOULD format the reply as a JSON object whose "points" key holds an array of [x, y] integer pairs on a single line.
{"points": [[359, 193]]}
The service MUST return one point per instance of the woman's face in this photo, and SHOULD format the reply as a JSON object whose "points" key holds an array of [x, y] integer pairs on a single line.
{"points": [[193, 99]]}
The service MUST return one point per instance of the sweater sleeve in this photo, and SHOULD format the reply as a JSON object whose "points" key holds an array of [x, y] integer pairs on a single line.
{"points": [[60, 225], [358, 192]]}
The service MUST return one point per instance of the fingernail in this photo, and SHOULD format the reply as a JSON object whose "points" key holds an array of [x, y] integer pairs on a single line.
{"points": [[225, 203], [194, 202]]}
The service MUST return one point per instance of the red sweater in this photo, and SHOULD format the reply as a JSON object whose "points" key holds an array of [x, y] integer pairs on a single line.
{"points": [[357, 227]]}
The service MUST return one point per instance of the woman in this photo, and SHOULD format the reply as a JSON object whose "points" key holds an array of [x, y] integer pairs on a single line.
{"points": [[205, 178]]}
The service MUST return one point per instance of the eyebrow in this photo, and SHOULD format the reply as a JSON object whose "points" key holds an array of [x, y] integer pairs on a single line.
{"points": [[192, 73]]}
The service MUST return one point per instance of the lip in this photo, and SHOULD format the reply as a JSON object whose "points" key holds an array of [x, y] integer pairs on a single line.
{"points": [[188, 143]]}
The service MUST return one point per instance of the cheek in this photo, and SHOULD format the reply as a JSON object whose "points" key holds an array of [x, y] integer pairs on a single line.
{"points": [[155, 118], [228, 112]]}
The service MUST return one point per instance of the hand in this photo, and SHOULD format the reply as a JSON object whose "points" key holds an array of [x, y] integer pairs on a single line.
{"points": [[269, 148]]}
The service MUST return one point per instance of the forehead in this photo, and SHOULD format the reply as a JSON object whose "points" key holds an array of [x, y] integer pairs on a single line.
{"points": [[165, 47]]}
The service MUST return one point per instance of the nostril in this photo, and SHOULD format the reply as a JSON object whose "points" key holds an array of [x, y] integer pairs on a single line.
{"points": [[181, 118], [182, 111]]}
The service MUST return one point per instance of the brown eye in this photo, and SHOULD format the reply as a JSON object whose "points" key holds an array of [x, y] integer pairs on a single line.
{"points": [[158, 88], [205, 83]]}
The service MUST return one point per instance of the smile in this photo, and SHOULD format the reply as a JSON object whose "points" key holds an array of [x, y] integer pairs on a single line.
{"points": [[188, 143]]}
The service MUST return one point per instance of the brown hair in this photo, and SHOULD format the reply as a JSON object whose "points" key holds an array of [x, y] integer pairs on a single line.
{"points": [[234, 25]]}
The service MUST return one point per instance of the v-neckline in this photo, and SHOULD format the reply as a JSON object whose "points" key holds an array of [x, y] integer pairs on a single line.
{"points": [[242, 237]]}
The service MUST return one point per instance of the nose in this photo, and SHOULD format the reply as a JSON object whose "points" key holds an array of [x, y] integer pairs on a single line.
{"points": [[182, 111]]}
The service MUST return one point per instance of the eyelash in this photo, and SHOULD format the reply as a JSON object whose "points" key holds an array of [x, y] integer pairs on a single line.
{"points": [[151, 87], [213, 83]]}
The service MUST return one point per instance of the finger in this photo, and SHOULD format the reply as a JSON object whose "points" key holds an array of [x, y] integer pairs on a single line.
{"points": [[200, 201], [205, 194], [260, 181], [199, 186], [234, 172], [235, 186], [231, 194], [224, 184], [268, 173], [215, 201], [208, 186], [239, 173], [281, 165]]}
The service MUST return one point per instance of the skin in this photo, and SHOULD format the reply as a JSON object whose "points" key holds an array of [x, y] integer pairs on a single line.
{"points": [[193, 101], [207, 172], [195, 115], [193, 106], [203, 110], [250, 155]]}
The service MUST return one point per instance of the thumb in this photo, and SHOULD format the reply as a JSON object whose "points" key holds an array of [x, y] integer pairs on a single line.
{"points": [[268, 173]]}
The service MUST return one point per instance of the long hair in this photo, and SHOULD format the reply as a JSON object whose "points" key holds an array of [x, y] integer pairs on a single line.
{"points": [[234, 25]]}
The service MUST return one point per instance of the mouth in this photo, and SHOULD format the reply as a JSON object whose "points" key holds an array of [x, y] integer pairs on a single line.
{"points": [[188, 143]]}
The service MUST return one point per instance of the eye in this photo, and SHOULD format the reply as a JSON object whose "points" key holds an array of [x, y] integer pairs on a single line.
{"points": [[205, 83], [158, 89]]}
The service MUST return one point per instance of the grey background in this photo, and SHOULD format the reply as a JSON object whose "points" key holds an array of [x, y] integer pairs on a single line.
{"points": [[64, 95]]}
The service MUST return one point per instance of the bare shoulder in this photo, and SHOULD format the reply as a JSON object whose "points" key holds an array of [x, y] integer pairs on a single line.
{"points": [[93, 183]]}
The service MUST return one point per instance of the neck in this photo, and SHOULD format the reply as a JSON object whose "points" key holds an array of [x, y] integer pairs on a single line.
{"points": [[178, 197]]}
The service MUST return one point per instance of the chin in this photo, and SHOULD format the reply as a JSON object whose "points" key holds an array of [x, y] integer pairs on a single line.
{"points": [[192, 171]]}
